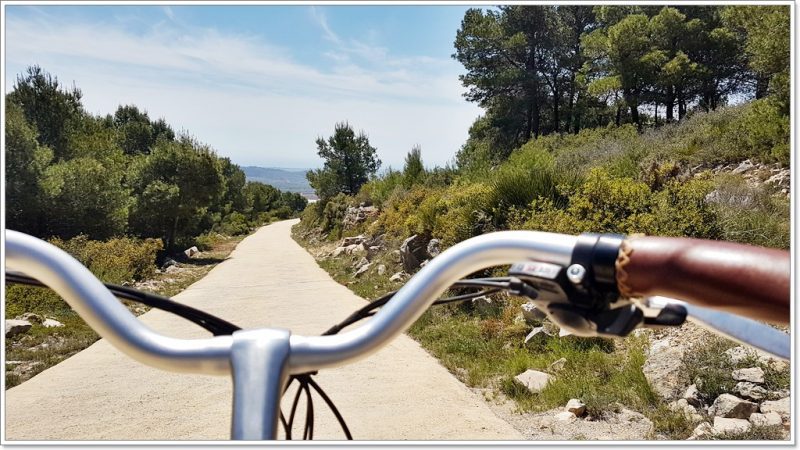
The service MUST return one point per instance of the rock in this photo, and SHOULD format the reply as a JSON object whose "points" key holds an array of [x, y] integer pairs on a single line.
{"points": [[766, 420], [681, 405], [557, 365], [743, 167], [537, 333], [15, 327], [168, 262], [355, 215], [565, 416], [373, 250], [381, 269], [412, 251], [396, 257], [752, 374], [338, 251], [628, 418], [357, 249], [782, 178], [663, 370], [724, 425], [704, 429], [731, 406], [353, 240], [191, 251], [52, 323], [362, 270], [399, 276], [692, 396], [360, 263], [575, 406], [30, 317], [750, 391], [433, 248], [483, 304], [172, 269], [532, 314], [739, 354], [782, 407], [534, 380]]}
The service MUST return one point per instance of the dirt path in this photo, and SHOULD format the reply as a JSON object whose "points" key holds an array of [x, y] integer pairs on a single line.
{"points": [[400, 393]]}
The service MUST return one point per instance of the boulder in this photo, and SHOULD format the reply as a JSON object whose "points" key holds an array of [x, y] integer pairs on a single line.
{"points": [[52, 323], [770, 419], [575, 406], [433, 248], [663, 370], [413, 251], [15, 327], [381, 269], [565, 416], [532, 314], [353, 240], [534, 380], [191, 251], [751, 374], [732, 407], [782, 407], [750, 390], [692, 396], [725, 425], [362, 270], [702, 430], [557, 365]]}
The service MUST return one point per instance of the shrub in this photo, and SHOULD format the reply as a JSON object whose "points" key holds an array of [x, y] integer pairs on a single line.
{"points": [[208, 240], [234, 224], [117, 260]]}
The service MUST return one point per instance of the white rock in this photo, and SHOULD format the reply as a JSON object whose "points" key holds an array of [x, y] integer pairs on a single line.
{"points": [[15, 327], [534, 380], [766, 420], [30, 317], [704, 429], [397, 277], [731, 406], [381, 269], [52, 323], [743, 167], [537, 333], [338, 251], [692, 395], [750, 390], [557, 365], [751, 374], [725, 425], [353, 240], [575, 406], [360, 263], [664, 371], [531, 313], [782, 407], [565, 416], [361, 270], [191, 251]]}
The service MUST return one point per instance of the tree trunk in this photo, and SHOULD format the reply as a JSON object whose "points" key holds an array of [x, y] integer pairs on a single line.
{"points": [[556, 120], [619, 114], [681, 104], [670, 103], [570, 103]]}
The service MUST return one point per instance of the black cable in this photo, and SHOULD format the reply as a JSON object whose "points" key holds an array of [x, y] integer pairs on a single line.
{"points": [[332, 407]]}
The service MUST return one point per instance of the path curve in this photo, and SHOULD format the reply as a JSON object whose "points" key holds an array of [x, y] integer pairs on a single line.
{"points": [[399, 393]]}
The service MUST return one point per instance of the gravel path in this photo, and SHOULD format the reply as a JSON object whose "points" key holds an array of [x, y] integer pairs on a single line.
{"points": [[400, 393]]}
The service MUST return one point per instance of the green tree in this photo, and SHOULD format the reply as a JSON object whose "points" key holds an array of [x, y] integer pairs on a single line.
{"points": [[25, 163], [349, 162], [413, 171], [173, 188], [260, 198], [51, 109]]}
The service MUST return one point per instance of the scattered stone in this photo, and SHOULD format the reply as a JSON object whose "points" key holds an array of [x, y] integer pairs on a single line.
{"points": [[360, 263], [681, 405], [565, 416], [766, 420], [168, 262], [743, 167], [373, 250], [750, 391], [704, 429], [692, 396], [739, 354], [357, 249], [663, 370], [362, 270], [534, 380], [731, 406], [355, 215], [751, 374], [353, 240], [537, 333], [557, 365], [532, 314], [191, 251], [399, 276], [30, 317], [52, 323], [381, 269], [15, 327], [433, 248], [412, 251], [338, 251], [726, 425], [172, 269], [396, 256], [782, 407], [575, 406]]}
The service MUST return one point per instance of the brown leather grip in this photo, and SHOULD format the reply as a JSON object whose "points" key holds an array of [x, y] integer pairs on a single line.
{"points": [[742, 279]]}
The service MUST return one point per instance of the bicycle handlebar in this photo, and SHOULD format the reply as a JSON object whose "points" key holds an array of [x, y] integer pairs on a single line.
{"points": [[721, 275]]}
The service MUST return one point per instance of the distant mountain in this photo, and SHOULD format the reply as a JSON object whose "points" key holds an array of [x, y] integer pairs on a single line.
{"points": [[291, 180]]}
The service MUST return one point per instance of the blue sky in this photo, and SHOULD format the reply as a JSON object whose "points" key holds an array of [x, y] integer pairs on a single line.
{"points": [[260, 83]]}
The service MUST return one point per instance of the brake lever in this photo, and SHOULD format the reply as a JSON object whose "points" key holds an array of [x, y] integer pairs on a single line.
{"points": [[737, 328]]}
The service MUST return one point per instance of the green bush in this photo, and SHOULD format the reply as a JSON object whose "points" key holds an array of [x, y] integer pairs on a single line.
{"points": [[234, 224], [117, 260], [208, 240]]}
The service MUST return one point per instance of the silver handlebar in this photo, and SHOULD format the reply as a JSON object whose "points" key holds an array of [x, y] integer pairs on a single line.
{"points": [[98, 307]]}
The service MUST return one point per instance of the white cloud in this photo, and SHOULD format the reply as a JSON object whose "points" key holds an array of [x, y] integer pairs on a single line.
{"points": [[248, 98]]}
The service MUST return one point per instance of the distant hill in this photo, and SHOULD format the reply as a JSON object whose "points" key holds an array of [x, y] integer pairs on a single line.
{"points": [[291, 180]]}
